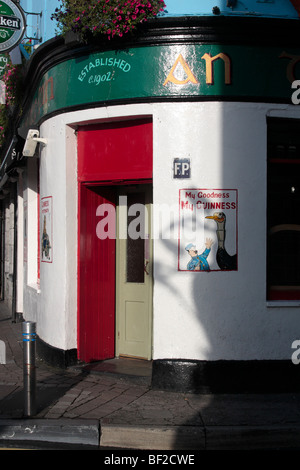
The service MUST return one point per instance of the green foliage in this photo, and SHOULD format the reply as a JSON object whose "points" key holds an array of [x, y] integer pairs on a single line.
{"points": [[4, 123], [108, 17]]}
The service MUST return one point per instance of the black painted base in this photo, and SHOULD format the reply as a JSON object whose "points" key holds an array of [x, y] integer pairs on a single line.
{"points": [[226, 376], [202, 376], [54, 356]]}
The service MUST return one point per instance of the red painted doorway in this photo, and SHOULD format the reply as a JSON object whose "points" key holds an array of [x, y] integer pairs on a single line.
{"points": [[96, 278], [109, 154]]}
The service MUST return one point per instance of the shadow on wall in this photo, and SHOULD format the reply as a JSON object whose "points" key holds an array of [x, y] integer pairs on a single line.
{"points": [[243, 346]]}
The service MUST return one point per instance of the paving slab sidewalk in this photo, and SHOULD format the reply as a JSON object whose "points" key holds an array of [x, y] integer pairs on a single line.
{"points": [[84, 408]]}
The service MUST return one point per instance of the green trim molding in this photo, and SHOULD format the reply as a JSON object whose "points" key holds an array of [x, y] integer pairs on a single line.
{"points": [[196, 71]]}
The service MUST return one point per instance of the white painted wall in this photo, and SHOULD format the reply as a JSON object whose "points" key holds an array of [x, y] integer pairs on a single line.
{"points": [[218, 315], [20, 245], [9, 214], [205, 316], [56, 295], [30, 205]]}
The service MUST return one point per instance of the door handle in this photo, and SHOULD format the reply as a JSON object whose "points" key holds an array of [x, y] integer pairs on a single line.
{"points": [[146, 264]]}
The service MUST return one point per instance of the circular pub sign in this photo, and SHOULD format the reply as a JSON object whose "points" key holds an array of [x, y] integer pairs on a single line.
{"points": [[12, 25]]}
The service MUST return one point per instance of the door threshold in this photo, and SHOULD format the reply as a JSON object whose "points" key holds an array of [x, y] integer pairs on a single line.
{"points": [[134, 358], [122, 366]]}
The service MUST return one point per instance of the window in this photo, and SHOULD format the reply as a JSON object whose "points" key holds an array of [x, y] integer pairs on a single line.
{"points": [[135, 247], [283, 208]]}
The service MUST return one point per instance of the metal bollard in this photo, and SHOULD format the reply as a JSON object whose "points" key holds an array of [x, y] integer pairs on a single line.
{"points": [[29, 372]]}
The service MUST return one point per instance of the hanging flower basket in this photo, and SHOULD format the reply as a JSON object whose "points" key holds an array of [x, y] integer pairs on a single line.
{"points": [[107, 17], [11, 90]]}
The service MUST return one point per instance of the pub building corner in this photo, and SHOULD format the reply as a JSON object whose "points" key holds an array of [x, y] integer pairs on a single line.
{"points": [[192, 119]]}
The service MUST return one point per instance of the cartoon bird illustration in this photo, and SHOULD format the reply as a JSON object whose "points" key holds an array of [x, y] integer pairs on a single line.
{"points": [[224, 260]]}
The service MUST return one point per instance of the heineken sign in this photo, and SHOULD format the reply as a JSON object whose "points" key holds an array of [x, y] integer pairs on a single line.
{"points": [[12, 25]]}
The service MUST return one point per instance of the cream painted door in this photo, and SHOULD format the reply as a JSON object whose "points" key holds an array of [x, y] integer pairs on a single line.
{"points": [[134, 273]]}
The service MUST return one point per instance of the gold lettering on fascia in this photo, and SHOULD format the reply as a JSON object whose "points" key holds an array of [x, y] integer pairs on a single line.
{"points": [[46, 91], [45, 94], [209, 65], [290, 69]]}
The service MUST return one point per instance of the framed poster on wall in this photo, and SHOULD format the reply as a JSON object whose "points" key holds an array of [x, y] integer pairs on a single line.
{"points": [[207, 230], [46, 230]]}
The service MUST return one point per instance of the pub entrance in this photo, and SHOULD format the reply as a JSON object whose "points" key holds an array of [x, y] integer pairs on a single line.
{"points": [[114, 270]]}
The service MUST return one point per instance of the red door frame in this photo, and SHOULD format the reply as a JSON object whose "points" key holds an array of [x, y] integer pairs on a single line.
{"points": [[127, 149]]}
